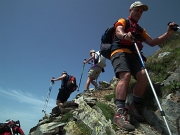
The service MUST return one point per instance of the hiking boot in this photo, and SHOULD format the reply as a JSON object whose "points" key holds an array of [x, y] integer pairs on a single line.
{"points": [[135, 112], [120, 119], [86, 90], [98, 88]]}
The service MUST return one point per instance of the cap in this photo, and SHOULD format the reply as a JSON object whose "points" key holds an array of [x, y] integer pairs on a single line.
{"points": [[64, 72], [139, 4], [92, 51]]}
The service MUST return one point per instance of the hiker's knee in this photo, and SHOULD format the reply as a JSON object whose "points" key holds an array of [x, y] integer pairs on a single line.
{"points": [[141, 76], [88, 79], [124, 76], [58, 102]]}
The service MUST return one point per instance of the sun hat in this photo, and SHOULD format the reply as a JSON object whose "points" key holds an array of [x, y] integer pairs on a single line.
{"points": [[139, 4], [92, 51]]}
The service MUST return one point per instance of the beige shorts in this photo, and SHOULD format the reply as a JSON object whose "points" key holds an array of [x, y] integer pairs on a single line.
{"points": [[94, 72]]}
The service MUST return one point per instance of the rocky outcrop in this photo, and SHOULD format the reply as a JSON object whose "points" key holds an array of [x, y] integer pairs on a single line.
{"points": [[83, 109]]}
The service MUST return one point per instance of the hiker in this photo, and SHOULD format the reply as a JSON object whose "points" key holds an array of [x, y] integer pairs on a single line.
{"points": [[11, 127], [94, 71], [126, 62], [64, 92]]}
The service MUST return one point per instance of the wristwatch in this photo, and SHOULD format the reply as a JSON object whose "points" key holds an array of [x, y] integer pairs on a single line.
{"points": [[124, 35]]}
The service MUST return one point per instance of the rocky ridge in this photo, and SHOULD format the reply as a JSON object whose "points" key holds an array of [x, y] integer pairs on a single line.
{"points": [[84, 110], [83, 115]]}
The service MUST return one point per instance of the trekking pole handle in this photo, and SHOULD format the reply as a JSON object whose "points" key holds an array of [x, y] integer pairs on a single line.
{"points": [[86, 60], [175, 28], [52, 82], [136, 36]]}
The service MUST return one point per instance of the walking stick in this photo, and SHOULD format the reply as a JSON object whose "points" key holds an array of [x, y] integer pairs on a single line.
{"points": [[47, 97], [154, 92], [81, 77]]}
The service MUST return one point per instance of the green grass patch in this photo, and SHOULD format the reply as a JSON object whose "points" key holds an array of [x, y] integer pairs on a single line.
{"points": [[66, 117], [107, 110], [85, 130], [109, 97]]}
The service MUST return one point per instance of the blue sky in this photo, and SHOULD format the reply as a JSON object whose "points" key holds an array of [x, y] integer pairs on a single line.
{"points": [[41, 38]]}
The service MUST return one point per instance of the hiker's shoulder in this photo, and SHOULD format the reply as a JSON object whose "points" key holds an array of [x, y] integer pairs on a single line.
{"points": [[120, 21]]}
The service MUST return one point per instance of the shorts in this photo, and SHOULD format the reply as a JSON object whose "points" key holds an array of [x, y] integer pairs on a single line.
{"points": [[126, 62], [63, 95], [94, 72]]}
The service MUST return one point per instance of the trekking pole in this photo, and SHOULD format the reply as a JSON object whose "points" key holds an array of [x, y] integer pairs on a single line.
{"points": [[154, 92], [81, 77], [47, 97], [11, 131]]}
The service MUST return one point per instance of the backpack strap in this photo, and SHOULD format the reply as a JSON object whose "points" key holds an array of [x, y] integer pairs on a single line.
{"points": [[127, 23], [126, 27]]}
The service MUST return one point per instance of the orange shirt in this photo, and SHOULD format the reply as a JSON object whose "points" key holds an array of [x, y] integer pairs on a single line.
{"points": [[122, 22]]}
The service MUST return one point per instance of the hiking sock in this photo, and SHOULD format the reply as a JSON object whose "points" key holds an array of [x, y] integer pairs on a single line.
{"points": [[120, 104], [136, 99]]}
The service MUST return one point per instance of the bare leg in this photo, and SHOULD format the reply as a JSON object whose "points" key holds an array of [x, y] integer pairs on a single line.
{"points": [[59, 103], [94, 83], [87, 83], [122, 86], [141, 83]]}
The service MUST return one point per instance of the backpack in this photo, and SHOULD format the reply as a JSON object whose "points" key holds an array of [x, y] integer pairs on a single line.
{"points": [[107, 39], [71, 83], [100, 60], [10, 126]]}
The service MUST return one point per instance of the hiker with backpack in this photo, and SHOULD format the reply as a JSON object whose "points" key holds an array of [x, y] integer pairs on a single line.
{"points": [[96, 68], [126, 62], [68, 85], [11, 127]]}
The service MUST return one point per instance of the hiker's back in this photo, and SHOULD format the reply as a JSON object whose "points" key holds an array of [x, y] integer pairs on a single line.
{"points": [[69, 83], [64, 82], [100, 60]]}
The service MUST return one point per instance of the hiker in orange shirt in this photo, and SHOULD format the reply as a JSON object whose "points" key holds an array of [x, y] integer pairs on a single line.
{"points": [[126, 62]]}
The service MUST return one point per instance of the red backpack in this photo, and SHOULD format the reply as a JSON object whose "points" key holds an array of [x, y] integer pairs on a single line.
{"points": [[10, 128], [71, 83]]}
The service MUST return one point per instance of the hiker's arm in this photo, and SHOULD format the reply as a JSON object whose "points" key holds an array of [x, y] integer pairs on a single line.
{"points": [[59, 78], [121, 34], [162, 38], [91, 58]]}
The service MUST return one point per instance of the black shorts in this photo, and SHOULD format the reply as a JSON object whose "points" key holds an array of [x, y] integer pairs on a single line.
{"points": [[63, 95], [126, 62]]}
